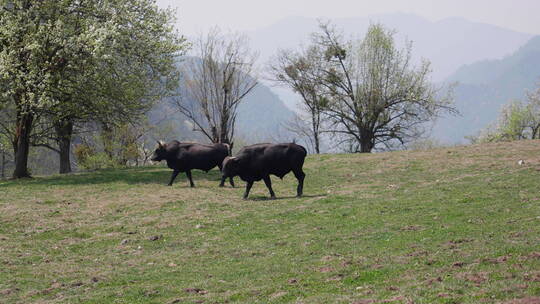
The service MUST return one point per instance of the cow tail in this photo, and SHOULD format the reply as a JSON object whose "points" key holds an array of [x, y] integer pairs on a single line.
{"points": [[229, 152]]}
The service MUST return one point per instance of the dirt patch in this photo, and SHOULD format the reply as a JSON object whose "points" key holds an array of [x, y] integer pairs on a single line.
{"points": [[8, 291], [338, 277], [528, 300], [453, 244], [400, 299], [499, 260], [196, 291], [278, 294], [326, 269], [411, 228], [364, 302], [431, 281], [458, 264], [532, 276], [477, 278], [417, 253]]}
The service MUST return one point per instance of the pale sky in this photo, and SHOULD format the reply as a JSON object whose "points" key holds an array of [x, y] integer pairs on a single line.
{"points": [[241, 15]]}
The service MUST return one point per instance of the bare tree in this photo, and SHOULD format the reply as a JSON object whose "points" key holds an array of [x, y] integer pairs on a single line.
{"points": [[301, 71], [376, 96], [215, 82]]}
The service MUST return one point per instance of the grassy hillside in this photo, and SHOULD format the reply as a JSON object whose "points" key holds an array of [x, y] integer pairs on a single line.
{"points": [[454, 225]]}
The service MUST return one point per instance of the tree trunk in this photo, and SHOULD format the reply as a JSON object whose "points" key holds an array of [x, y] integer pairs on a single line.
{"points": [[366, 142], [64, 131], [535, 132], [315, 129], [106, 137], [21, 145], [223, 130], [2, 174], [366, 147]]}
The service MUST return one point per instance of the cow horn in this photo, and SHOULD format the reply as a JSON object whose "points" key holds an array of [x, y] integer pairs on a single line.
{"points": [[161, 143]]}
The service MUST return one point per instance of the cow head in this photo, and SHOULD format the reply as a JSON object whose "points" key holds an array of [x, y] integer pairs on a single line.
{"points": [[160, 152], [230, 166]]}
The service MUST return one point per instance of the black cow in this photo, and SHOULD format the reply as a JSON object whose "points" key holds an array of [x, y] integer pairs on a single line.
{"points": [[257, 162], [183, 157]]}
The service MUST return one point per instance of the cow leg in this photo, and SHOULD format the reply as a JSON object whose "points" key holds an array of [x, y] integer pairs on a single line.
{"points": [[249, 184], [173, 176], [188, 174], [231, 181], [222, 184], [300, 175], [268, 183]]}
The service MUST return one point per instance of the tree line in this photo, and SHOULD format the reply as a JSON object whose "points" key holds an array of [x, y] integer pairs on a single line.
{"points": [[92, 69]]}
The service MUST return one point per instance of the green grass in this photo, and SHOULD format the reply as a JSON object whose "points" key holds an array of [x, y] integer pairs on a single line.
{"points": [[453, 225]]}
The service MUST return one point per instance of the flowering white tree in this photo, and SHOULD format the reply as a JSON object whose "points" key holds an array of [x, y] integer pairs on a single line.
{"points": [[80, 60]]}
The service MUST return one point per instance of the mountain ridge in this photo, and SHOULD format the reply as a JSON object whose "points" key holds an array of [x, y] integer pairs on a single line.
{"points": [[484, 87]]}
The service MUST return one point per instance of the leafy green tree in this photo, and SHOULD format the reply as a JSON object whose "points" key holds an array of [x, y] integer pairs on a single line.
{"points": [[516, 121], [533, 113], [73, 61], [4, 155], [376, 96]]}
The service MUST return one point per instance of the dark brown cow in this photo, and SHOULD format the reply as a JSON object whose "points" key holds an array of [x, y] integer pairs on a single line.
{"points": [[257, 162], [184, 157]]}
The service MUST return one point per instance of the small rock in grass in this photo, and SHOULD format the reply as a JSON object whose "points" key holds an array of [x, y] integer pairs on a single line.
{"points": [[155, 237], [124, 242]]}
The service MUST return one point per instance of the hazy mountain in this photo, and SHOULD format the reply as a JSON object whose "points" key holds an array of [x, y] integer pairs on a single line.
{"points": [[449, 43], [260, 116], [485, 86]]}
